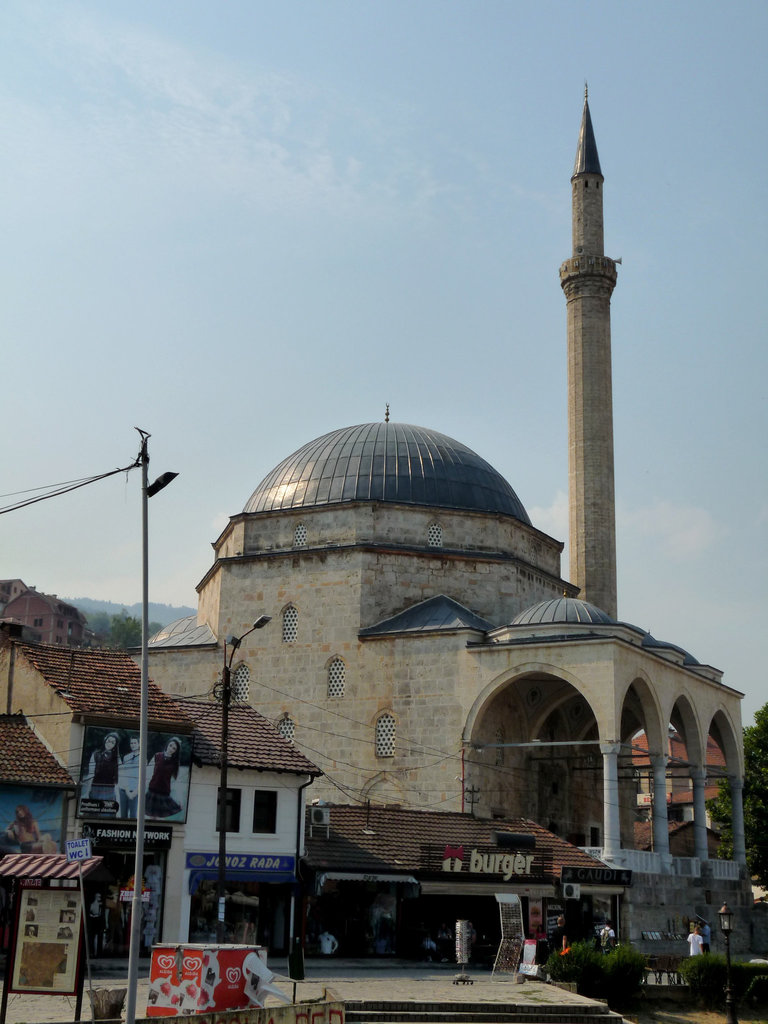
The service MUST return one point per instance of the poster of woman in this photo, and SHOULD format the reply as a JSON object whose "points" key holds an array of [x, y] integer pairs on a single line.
{"points": [[30, 819], [109, 774]]}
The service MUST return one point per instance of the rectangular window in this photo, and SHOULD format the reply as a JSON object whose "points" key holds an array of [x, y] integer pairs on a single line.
{"points": [[264, 810], [231, 811]]}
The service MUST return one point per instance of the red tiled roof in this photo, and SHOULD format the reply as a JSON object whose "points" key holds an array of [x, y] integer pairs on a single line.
{"points": [[643, 833], [253, 742], [388, 839], [24, 758], [99, 683]]}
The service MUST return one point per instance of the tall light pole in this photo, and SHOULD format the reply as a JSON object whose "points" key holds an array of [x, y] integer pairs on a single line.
{"points": [[726, 927], [226, 696], [147, 491]]}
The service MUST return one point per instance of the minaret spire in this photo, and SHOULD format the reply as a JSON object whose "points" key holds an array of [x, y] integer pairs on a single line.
{"points": [[588, 279]]}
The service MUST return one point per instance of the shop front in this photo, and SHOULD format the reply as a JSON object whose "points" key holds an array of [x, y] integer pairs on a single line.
{"points": [[457, 868], [109, 891], [259, 896]]}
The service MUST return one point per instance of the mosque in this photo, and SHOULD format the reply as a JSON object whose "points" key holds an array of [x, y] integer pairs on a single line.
{"points": [[427, 652]]}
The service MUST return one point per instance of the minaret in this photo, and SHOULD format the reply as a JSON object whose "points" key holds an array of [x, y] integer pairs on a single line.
{"points": [[588, 279]]}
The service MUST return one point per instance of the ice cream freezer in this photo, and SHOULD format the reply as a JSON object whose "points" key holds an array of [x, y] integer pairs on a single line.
{"points": [[196, 978]]}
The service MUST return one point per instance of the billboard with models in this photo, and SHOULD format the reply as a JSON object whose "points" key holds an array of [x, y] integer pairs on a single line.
{"points": [[109, 774]]}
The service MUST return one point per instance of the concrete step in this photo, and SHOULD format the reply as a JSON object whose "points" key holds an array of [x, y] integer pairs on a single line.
{"points": [[395, 1012]]}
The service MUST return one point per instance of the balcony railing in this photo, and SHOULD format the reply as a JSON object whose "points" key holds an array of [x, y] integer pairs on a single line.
{"points": [[648, 863]]}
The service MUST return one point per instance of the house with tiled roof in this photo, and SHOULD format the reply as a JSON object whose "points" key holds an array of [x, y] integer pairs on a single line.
{"points": [[382, 879], [83, 705], [264, 809], [33, 786]]}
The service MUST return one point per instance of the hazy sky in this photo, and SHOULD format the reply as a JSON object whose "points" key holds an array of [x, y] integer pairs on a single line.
{"points": [[240, 225]]}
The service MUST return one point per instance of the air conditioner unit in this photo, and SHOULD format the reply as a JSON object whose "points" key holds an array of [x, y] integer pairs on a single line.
{"points": [[571, 891], [320, 816]]}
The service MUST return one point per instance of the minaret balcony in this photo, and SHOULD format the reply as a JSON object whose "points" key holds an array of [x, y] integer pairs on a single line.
{"points": [[584, 264]]}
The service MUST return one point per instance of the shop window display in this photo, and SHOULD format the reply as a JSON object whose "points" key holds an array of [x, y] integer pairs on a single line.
{"points": [[109, 904]]}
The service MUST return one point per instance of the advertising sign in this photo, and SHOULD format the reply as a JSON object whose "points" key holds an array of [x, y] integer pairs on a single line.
{"points": [[200, 979], [47, 941], [109, 774], [30, 819]]}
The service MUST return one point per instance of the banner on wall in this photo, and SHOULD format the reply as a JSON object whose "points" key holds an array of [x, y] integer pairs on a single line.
{"points": [[109, 774], [30, 819]]}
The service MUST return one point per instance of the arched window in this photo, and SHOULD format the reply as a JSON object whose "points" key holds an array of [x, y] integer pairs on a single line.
{"points": [[290, 624], [300, 536], [435, 535], [240, 684], [385, 735], [337, 672], [287, 728]]}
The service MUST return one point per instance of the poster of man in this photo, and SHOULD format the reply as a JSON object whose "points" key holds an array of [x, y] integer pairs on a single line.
{"points": [[109, 775], [30, 819]]}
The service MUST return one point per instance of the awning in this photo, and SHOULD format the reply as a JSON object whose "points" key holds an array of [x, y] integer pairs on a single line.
{"points": [[362, 876], [455, 887], [235, 875], [45, 865]]}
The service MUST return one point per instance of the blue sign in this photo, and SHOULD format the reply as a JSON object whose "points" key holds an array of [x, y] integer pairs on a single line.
{"points": [[261, 862], [78, 849]]}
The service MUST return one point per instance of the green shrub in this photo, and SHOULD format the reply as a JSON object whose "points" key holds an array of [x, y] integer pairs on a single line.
{"points": [[624, 971], [582, 964], [757, 991], [707, 976]]}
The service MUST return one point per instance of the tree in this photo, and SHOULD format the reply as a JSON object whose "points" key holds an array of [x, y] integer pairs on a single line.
{"points": [[755, 801]]}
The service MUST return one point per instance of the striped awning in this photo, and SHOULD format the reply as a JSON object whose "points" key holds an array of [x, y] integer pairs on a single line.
{"points": [[45, 865]]}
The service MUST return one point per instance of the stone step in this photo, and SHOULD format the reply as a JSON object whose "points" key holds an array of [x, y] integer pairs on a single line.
{"points": [[395, 1012]]}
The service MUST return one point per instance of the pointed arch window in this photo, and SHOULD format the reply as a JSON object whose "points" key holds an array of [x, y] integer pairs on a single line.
{"points": [[385, 735], [337, 672], [290, 624], [241, 683], [287, 728]]}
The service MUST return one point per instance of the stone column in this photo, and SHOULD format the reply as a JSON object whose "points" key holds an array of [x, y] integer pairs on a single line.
{"points": [[611, 819], [660, 817], [699, 777], [737, 819]]}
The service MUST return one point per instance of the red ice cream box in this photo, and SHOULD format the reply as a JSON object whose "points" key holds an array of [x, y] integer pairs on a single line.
{"points": [[187, 979]]}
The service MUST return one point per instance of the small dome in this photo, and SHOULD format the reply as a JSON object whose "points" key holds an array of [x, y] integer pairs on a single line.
{"points": [[393, 462], [182, 633], [563, 609], [651, 642]]}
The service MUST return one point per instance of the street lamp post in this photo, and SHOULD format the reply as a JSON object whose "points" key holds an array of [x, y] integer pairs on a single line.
{"points": [[726, 927], [226, 697], [147, 491]]}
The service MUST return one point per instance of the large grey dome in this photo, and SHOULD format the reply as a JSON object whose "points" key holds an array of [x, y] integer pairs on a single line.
{"points": [[386, 462]]}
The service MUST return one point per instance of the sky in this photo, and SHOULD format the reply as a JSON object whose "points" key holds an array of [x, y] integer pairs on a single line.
{"points": [[240, 225]]}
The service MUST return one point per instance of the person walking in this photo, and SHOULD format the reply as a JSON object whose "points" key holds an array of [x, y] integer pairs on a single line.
{"points": [[695, 941]]}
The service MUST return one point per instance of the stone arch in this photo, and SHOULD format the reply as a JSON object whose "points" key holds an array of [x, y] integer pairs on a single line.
{"points": [[383, 788], [552, 732]]}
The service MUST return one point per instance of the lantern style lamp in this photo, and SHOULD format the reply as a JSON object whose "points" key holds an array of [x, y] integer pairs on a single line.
{"points": [[726, 927]]}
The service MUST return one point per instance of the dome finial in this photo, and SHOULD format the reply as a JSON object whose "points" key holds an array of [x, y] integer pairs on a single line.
{"points": [[586, 90], [386, 414]]}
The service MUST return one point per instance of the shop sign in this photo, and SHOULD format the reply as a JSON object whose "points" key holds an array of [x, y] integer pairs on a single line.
{"points": [[156, 837], [241, 862], [478, 863], [596, 876]]}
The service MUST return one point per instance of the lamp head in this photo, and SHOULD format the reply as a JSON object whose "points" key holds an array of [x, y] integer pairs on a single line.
{"points": [[726, 919], [261, 622]]}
